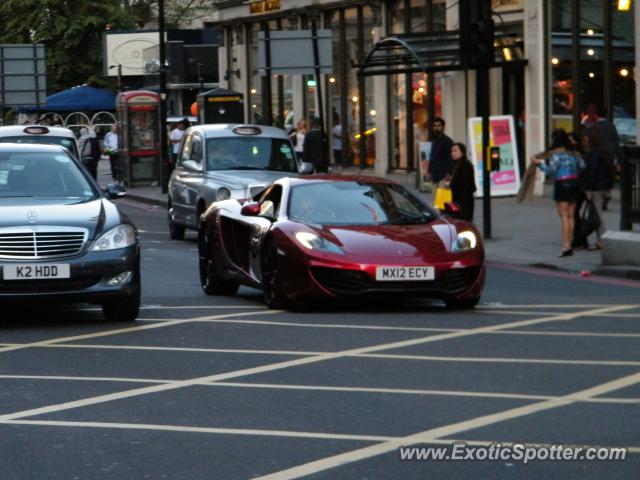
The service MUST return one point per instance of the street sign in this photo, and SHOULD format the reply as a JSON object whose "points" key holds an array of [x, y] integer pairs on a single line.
{"points": [[23, 80], [291, 52]]}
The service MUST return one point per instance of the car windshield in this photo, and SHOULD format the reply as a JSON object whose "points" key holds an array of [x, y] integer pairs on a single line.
{"points": [[250, 153], [357, 203], [42, 175], [65, 142]]}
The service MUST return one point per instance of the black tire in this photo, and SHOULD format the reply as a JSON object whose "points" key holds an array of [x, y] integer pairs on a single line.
{"points": [[462, 304], [176, 232], [272, 289], [210, 281], [122, 310]]}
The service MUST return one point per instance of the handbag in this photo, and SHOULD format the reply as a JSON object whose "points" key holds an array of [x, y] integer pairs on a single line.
{"points": [[588, 219], [443, 195]]}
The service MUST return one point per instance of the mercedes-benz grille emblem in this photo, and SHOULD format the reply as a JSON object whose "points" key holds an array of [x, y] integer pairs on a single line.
{"points": [[32, 216]]}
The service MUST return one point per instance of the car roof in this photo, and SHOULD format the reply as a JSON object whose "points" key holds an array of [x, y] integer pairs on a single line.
{"points": [[16, 130], [31, 148], [226, 130], [328, 178]]}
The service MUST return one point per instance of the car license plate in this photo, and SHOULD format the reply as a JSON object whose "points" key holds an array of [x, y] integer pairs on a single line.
{"points": [[36, 271], [410, 274]]}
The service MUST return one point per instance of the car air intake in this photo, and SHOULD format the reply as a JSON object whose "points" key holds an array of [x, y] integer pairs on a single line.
{"points": [[44, 242]]}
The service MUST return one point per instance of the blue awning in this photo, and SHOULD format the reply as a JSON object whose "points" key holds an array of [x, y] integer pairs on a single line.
{"points": [[83, 98]]}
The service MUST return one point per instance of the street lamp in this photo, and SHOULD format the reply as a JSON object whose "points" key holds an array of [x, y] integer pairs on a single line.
{"points": [[119, 67]]}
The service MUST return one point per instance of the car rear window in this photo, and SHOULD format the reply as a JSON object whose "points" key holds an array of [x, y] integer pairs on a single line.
{"points": [[66, 142], [250, 153], [42, 175]]}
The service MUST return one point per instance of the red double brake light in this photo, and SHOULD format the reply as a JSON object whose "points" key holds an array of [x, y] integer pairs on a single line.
{"points": [[36, 130]]}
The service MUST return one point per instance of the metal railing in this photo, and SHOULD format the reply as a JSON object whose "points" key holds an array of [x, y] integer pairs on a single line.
{"points": [[630, 188]]}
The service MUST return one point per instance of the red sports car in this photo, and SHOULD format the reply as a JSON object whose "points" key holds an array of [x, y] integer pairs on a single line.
{"points": [[338, 237]]}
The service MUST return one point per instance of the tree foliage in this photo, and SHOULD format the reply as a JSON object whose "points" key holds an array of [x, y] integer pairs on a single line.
{"points": [[72, 30]]}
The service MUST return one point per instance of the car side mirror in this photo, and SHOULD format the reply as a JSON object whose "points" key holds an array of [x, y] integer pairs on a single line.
{"points": [[250, 209], [452, 208], [192, 165], [306, 168], [114, 191]]}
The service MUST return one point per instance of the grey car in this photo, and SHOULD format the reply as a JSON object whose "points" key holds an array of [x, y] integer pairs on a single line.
{"points": [[223, 161]]}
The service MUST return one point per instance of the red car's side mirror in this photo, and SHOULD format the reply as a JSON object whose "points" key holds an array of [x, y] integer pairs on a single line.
{"points": [[250, 209], [452, 208]]}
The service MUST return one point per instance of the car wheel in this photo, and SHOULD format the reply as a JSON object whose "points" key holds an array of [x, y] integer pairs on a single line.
{"points": [[271, 277], [211, 282], [462, 303], [122, 310], [176, 232]]}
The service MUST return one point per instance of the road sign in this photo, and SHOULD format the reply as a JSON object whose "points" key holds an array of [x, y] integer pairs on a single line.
{"points": [[291, 52], [23, 80]]}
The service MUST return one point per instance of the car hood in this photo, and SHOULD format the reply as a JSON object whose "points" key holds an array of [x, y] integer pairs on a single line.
{"points": [[240, 179], [421, 242], [94, 215]]}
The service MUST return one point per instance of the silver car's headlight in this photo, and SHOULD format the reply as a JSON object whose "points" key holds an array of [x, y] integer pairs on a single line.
{"points": [[223, 193], [466, 240], [118, 237]]}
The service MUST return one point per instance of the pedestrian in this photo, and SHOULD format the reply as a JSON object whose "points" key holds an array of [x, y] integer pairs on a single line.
{"points": [[90, 152], [610, 147], [297, 137], [175, 137], [110, 149], [462, 181], [565, 167], [598, 176], [313, 149], [440, 156], [575, 146], [336, 141]]}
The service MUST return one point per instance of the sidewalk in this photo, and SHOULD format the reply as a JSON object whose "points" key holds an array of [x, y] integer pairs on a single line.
{"points": [[523, 234]]}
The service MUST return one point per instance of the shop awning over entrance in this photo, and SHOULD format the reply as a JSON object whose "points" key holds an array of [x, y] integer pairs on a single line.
{"points": [[428, 53]]}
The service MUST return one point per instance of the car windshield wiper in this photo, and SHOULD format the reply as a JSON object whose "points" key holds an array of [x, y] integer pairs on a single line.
{"points": [[16, 196], [242, 167]]}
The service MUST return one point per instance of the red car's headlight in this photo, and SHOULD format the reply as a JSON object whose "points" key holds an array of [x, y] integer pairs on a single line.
{"points": [[314, 242], [465, 241]]}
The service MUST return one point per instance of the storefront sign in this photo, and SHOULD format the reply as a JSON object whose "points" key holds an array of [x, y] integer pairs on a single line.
{"points": [[506, 5], [505, 181], [264, 6]]}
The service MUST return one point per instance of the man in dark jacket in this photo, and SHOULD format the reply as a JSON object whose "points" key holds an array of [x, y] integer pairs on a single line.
{"points": [[314, 151], [440, 158]]}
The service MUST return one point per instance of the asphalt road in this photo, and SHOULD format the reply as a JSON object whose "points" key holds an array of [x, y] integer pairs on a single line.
{"points": [[221, 388]]}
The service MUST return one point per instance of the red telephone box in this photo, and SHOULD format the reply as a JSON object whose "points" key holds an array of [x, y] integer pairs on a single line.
{"points": [[139, 136]]}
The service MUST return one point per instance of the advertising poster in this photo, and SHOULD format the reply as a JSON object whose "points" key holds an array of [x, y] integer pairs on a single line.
{"points": [[424, 152], [505, 181]]}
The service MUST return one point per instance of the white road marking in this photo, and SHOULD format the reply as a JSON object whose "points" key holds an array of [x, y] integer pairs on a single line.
{"points": [[227, 431], [567, 333], [391, 356], [289, 363], [326, 388], [128, 330], [448, 430]]}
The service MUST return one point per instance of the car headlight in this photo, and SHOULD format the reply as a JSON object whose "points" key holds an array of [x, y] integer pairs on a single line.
{"points": [[465, 241], [314, 242], [223, 193], [118, 237]]}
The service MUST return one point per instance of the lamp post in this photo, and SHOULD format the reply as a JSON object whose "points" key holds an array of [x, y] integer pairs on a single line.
{"points": [[119, 67], [164, 166]]}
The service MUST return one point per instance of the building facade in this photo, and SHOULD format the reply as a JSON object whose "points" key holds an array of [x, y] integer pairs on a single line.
{"points": [[552, 68]]}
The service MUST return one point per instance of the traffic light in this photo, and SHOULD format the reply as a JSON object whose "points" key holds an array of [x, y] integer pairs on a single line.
{"points": [[481, 35]]}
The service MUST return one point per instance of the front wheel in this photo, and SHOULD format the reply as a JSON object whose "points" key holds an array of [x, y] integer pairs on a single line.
{"points": [[211, 282], [176, 232], [272, 289], [462, 303], [122, 310]]}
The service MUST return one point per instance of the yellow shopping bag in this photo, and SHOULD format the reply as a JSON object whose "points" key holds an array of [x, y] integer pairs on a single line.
{"points": [[443, 195]]}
